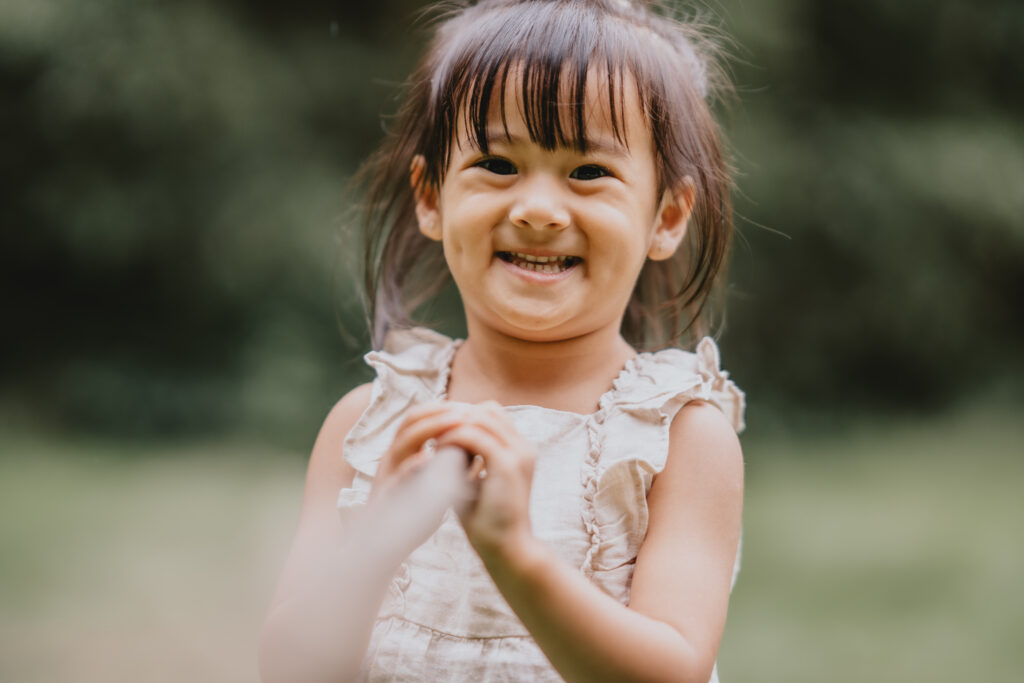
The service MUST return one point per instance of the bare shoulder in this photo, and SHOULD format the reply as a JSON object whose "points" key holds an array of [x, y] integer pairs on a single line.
{"points": [[328, 471], [327, 474], [684, 567], [346, 412], [701, 437], [701, 486]]}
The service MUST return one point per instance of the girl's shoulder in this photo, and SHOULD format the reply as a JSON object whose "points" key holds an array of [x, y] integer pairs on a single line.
{"points": [[412, 367], [415, 363], [664, 381]]}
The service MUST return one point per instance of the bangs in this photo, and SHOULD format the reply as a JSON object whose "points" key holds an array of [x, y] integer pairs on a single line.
{"points": [[557, 66], [539, 55]]}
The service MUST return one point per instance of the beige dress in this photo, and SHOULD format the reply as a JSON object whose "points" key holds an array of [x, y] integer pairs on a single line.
{"points": [[443, 618]]}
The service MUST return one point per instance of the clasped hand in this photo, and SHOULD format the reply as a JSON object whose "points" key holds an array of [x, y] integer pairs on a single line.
{"points": [[496, 518]]}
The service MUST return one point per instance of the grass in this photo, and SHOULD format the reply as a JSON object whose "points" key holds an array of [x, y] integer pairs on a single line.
{"points": [[887, 554], [884, 555], [139, 563]]}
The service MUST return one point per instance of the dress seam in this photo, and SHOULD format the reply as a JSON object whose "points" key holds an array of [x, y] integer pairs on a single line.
{"points": [[424, 627]]}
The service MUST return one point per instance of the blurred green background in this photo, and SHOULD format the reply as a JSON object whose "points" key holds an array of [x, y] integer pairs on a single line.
{"points": [[180, 314]]}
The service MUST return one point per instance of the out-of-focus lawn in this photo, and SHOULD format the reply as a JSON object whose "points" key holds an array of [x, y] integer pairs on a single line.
{"points": [[139, 563], [889, 554]]}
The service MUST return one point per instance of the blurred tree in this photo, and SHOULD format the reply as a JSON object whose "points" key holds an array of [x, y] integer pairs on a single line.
{"points": [[173, 197], [882, 140], [171, 194]]}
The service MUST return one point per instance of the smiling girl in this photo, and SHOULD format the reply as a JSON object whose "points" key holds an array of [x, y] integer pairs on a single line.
{"points": [[558, 160]]}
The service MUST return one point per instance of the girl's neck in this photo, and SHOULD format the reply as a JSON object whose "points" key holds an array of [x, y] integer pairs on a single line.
{"points": [[569, 375]]}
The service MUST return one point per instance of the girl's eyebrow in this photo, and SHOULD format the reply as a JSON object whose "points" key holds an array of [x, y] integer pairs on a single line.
{"points": [[602, 145]]}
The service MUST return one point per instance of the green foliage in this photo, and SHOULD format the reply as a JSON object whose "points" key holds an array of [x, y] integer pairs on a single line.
{"points": [[883, 142], [178, 209], [174, 249]]}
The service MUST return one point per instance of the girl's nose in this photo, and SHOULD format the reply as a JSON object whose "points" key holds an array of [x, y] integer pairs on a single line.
{"points": [[540, 204]]}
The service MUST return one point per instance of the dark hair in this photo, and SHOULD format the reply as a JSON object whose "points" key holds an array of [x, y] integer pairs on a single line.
{"points": [[553, 45]]}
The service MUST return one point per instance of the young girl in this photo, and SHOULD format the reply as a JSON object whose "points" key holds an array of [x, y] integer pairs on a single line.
{"points": [[558, 160]]}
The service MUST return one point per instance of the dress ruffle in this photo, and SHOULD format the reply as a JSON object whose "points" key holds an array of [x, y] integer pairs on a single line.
{"points": [[629, 445], [413, 367], [666, 380], [598, 526]]}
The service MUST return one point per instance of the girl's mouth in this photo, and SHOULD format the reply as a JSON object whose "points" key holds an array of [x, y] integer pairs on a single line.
{"points": [[539, 264]]}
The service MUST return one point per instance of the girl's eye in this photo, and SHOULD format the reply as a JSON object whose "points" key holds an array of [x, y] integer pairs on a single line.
{"points": [[589, 172], [497, 165]]}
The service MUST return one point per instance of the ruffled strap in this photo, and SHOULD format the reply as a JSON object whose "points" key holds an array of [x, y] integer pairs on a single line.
{"points": [[666, 380], [412, 368], [629, 439], [715, 382]]}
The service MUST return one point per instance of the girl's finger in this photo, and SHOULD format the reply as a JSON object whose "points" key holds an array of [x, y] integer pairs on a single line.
{"points": [[479, 441], [422, 410], [491, 416], [434, 420], [497, 412], [503, 422], [489, 413], [476, 468], [413, 434], [411, 463]]}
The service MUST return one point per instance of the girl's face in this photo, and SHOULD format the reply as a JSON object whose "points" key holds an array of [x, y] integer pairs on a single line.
{"points": [[547, 244]]}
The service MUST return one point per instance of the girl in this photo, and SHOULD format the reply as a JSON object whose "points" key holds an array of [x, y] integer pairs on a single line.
{"points": [[558, 160]]}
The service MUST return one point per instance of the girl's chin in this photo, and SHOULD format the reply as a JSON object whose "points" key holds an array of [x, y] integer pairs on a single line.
{"points": [[537, 329]]}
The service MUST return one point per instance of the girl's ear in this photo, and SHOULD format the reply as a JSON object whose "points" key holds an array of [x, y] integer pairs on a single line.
{"points": [[428, 214], [671, 220]]}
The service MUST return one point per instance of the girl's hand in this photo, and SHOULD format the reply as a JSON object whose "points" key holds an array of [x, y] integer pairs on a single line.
{"points": [[409, 449], [414, 485], [497, 520]]}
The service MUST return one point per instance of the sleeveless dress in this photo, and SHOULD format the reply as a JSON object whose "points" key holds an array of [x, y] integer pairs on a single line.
{"points": [[443, 619]]}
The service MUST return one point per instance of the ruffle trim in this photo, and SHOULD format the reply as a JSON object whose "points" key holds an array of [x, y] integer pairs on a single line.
{"points": [[419, 353], [721, 390], [589, 477], [413, 367], [417, 362], [661, 382], [668, 379]]}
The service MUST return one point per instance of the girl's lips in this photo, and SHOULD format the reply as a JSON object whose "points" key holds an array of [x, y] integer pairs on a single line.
{"points": [[539, 253], [533, 260], [538, 276]]}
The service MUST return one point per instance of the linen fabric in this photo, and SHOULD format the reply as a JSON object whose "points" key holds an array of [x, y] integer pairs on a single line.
{"points": [[443, 619]]}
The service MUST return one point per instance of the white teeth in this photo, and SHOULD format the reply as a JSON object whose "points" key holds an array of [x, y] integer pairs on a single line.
{"points": [[539, 264], [542, 268], [537, 259]]}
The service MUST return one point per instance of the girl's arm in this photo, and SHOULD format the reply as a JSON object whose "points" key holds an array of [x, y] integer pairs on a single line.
{"points": [[335, 578], [316, 628], [680, 590]]}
